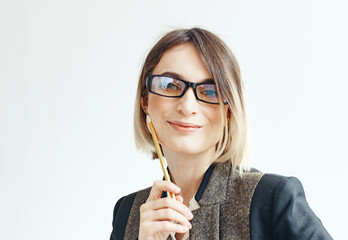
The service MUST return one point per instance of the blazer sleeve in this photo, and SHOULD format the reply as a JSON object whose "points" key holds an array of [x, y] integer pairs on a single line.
{"points": [[280, 211]]}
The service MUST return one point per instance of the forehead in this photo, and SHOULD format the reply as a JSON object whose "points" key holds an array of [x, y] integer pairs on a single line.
{"points": [[185, 61]]}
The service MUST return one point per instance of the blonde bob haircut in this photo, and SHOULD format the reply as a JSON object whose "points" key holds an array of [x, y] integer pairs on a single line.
{"points": [[225, 71]]}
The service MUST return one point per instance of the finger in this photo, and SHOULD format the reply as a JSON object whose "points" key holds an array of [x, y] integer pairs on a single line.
{"points": [[167, 226], [160, 186], [179, 198], [171, 215], [169, 203]]}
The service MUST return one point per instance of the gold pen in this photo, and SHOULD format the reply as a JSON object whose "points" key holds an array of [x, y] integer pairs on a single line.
{"points": [[159, 151]]}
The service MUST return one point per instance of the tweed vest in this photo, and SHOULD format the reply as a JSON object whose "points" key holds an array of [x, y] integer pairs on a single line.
{"points": [[224, 206]]}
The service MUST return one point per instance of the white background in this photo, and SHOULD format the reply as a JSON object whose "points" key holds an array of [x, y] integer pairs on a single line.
{"points": [[68, 75]]}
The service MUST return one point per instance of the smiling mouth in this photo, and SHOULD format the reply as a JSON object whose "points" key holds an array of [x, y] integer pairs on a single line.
{"points": [[184, 127]]}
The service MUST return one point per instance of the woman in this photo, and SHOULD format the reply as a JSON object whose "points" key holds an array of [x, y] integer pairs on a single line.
{"points": [[191, 87]]}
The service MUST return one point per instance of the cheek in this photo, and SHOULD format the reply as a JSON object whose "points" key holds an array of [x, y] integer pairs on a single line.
{"points": [[157, 109], [215, 119], [155, 105]]}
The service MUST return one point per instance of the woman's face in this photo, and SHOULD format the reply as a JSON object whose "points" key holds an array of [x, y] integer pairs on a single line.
{"points": [[184, 125]]}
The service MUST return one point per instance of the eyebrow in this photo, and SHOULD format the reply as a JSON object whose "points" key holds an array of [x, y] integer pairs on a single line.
{"points": [[177, 75]]}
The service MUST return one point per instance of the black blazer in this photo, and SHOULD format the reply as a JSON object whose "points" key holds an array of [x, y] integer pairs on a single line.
{"points": [[254, 206]]}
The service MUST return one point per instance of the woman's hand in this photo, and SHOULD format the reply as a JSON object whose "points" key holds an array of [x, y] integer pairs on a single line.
{"points": [[160, 216]]}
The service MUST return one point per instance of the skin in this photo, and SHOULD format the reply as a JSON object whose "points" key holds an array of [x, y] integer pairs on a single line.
{"points": [[189, 151]]}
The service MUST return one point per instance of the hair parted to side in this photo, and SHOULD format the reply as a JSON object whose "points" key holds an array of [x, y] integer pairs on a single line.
{"points": [[224, 68]]}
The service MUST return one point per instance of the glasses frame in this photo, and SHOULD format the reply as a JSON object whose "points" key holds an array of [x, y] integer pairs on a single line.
{"points": [[187, 85]]}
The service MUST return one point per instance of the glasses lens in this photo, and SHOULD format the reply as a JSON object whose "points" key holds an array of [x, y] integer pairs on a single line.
{"points": [[207, 92], [167, 86]]}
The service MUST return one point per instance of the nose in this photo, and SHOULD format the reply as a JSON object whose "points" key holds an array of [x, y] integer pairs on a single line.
{"points": [[188, 104]]}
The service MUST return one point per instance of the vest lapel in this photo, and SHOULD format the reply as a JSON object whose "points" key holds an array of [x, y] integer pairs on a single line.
{"points": [[205, 223], [225, 205]]}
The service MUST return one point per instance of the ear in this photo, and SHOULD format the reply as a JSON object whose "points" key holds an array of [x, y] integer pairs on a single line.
{"points": [[144, 104]]}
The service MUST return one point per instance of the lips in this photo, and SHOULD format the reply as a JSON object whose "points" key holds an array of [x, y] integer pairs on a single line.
{"points": [[185, 127]]}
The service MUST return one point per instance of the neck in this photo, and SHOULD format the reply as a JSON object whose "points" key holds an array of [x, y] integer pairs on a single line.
{"points": [[187, 171]]}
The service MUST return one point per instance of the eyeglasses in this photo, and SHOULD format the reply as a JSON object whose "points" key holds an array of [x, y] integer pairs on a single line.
{"points": [[174, 87]]}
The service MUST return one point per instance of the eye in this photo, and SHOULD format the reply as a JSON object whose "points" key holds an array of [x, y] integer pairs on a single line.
{"points": [[173, 86], [209, 93]]}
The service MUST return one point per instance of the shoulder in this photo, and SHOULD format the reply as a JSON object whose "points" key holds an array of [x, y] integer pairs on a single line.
{"points": [[278, 191], [277, 185], [275, 180], [273, 191], [279, 210]]}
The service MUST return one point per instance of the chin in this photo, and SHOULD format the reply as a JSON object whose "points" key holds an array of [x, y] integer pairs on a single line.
{"points": [[185, 147]]}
